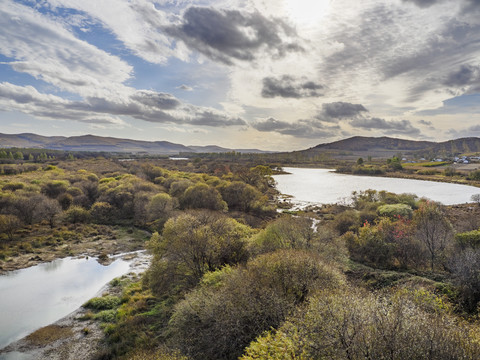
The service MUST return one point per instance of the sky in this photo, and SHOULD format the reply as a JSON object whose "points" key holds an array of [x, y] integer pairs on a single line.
{"points": [[266, 74]]}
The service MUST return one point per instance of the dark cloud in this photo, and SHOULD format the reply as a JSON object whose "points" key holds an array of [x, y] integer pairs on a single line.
{"points": [[224, 35], [290, 87], [332, 112], [209, 118], [156, 100], [466, 78], [302, 128], [423, 3], [271, 124], [404, 127], [424, 122], [142, 104]]}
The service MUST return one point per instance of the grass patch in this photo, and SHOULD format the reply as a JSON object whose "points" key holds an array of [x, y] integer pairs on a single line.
{"points": [[49, 334], [103, 303], [106, 316]]}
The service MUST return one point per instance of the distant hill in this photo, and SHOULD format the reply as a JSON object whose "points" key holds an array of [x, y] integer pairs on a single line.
{"points": [[362, 143], [387, 146], [106, 144]]}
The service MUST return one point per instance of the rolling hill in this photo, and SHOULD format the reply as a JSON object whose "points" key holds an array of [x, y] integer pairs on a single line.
{"points": [[106, 144]]}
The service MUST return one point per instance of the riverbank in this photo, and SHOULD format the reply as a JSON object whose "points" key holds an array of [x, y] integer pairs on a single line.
{"points": [[76, 336], [78, 240]]}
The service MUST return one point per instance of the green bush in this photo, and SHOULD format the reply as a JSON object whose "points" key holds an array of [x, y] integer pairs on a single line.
{"points": [[77, 214], [470, 239], [395, 210], [108, 302], [108, 316]]}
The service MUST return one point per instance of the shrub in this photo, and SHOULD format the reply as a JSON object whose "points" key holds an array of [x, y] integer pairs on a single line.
{"points": [[103, 303], [350, 324], [102, 213], [202, 196], [13, 186], [470, 239], [395, 211], [218, 321], [54, 188], [77, 214]]}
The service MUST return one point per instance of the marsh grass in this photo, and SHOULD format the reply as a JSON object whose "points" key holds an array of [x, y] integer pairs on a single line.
{"points": [[49, 334]]}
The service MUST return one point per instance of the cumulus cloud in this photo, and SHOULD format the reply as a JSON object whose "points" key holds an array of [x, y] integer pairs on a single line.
{"points": [[301, 129], [403, 127], [290, 87], [332, 112], [224, 35]]}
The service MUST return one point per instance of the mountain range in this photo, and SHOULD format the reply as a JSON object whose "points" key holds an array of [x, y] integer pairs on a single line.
{"points": [[107, 144], [355, 146]]}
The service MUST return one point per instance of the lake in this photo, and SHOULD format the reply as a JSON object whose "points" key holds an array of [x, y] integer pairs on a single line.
{"points": [[40, 295], [323, 186]]}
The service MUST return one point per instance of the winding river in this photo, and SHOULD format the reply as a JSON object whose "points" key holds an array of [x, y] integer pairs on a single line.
{"points": [[323, 186], [42, 294]]}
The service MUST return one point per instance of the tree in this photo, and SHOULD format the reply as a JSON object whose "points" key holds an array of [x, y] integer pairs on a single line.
{"points": [[8, 225], [466, 270], [18, 155], [202, 196], [102, 213], [192, 244], [55, 188], [160, 208], [360, 161], [77, 214], [240, 196], [25, 207], [476, 198], [433, 230], [49, 210], [231, 307]]}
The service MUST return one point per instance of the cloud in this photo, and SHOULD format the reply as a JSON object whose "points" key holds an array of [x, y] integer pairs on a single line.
{"points": [[467, 132], [332, 112], [49, 52], [184, 87], [467, 77], [271, 124], [156, 100], [301, 129], [403, 127], [423, 3], [424, 122], [142, 36], [290, 87], [142, 104], [225, 35]]}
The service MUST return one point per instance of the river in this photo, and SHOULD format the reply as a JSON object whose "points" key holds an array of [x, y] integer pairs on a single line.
{"points": [[40, 295], [323, 186]]}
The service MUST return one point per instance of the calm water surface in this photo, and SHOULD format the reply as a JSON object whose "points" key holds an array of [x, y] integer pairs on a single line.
{"points": [[322, 186], [42, 294]]}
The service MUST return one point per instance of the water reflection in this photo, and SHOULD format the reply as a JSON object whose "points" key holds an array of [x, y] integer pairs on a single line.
{"points": [[322, 186], [40, 295]]}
